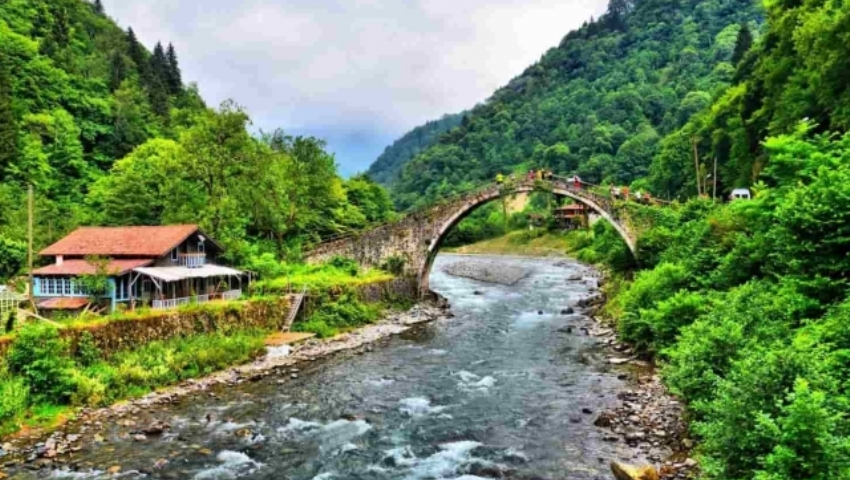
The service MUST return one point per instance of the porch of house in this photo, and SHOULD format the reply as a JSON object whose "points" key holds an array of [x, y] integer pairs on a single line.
{"points": [[165, 288]]}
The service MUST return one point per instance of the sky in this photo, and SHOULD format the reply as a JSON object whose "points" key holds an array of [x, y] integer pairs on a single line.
{"points": [[356, 73]]}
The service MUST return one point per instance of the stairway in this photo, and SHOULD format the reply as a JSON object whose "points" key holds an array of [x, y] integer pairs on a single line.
{"points": [[296, 301]]}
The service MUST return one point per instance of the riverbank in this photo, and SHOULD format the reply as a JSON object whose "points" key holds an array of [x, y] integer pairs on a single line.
{"points": [[538, 243], [39, 450]]}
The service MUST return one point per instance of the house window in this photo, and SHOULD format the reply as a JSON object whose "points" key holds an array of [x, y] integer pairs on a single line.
{"points": [[174, 255], [201, 248]]}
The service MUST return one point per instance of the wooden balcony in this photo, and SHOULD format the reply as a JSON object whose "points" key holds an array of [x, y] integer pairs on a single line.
{"points": [[193, 260]]}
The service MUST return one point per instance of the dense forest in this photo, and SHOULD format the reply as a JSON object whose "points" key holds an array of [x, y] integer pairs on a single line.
{"points": [[387, 167], [107, 133], [600, 104]]}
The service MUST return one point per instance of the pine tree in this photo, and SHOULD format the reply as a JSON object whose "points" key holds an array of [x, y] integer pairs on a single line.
{"points": [[742, 44], [9, 147], [617, 11], [138, 55], [117, 70], [159, 64], [175, 78], [98, 8]]}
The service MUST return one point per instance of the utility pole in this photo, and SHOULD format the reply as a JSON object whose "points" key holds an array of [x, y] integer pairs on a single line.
{"points": [[714, 193], [505, 212], [696, 166], [30, 215]]}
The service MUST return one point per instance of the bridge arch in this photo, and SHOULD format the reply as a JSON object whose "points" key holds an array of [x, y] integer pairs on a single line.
{"points": [[487, 196]]}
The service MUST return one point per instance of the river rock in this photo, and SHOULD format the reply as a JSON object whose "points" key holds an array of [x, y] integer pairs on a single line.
{"points": [[568, 311], [139, 438], [623, 471], [113, 469], [156, 428], [618, 361], [605, 419]]}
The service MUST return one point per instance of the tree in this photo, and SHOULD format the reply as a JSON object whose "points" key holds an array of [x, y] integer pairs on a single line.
{"points": [[175, 78], [9, 146], [98, 8], [137, 54], [117, 70], [743, 44], [616, 16]]}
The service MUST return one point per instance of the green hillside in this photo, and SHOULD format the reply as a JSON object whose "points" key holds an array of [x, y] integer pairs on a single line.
{"points": [[387, 167], [600, 103]]}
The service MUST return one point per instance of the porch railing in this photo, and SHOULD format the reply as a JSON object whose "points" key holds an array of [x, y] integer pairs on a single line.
{"points": [[173, 303], [193, 260], [178, 302], [231, 295]]}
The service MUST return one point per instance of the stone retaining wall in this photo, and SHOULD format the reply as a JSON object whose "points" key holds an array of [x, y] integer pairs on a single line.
{"points": [[264, 313]]}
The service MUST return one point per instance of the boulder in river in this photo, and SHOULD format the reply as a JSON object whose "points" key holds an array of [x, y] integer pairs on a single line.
{"points": [[568, 311], [623, 471]]}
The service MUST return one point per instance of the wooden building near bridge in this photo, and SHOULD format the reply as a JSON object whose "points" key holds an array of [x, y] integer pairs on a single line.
{"points": [[162, 267]]}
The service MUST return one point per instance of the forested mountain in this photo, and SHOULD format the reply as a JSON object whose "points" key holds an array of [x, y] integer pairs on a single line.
{"points": [[107, 134], [600, 103], [387, 167]]}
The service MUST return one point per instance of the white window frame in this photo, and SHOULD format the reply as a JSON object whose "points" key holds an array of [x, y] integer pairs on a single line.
{"points": [[175, 254], [202, 248]]}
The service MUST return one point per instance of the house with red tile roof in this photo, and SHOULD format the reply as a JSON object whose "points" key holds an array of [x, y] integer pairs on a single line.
{"points": [[162, 267]]}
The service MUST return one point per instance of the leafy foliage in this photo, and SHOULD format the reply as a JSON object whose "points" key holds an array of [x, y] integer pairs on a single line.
{"points": [[747, 305]]}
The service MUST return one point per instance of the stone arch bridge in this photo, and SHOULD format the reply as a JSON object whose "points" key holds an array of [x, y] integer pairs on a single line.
{"points": [[417, 237]]}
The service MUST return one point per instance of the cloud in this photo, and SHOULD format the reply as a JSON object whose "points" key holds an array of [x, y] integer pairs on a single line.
{"points": [[358, 73]]}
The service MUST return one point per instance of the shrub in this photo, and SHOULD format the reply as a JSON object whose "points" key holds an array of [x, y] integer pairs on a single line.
{"points": [[394, 265], [657, 327], [348, 265], [42, 358], [756, 313], [344, 313], [88, 352], [14, 398]]}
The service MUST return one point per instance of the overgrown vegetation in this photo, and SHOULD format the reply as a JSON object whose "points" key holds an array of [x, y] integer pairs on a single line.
{"points": [[41, 374], [338, 315], [338, 274], [747, 306]]}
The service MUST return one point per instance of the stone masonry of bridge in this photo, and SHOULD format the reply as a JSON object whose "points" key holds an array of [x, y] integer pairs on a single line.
{"points": [[417, 237]]}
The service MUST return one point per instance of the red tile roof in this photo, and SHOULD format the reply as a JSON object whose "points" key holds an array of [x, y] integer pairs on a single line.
{"points": [[82, 267], [64, 303], [121, 241]]}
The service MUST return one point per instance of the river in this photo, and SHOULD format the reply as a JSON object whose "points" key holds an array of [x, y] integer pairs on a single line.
{"points": [[500, 391]]}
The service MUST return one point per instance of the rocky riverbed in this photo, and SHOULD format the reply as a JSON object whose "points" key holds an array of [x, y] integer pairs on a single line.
{"points": [[492, 271], [39, 451], [524, 383]]}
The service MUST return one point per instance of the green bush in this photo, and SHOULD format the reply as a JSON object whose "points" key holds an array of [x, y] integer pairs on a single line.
{"points": [[758, 313], [394, 265], [345, 264], [14, 398], [88, 352], [653, 329], [42, 358], [344, 313]]}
